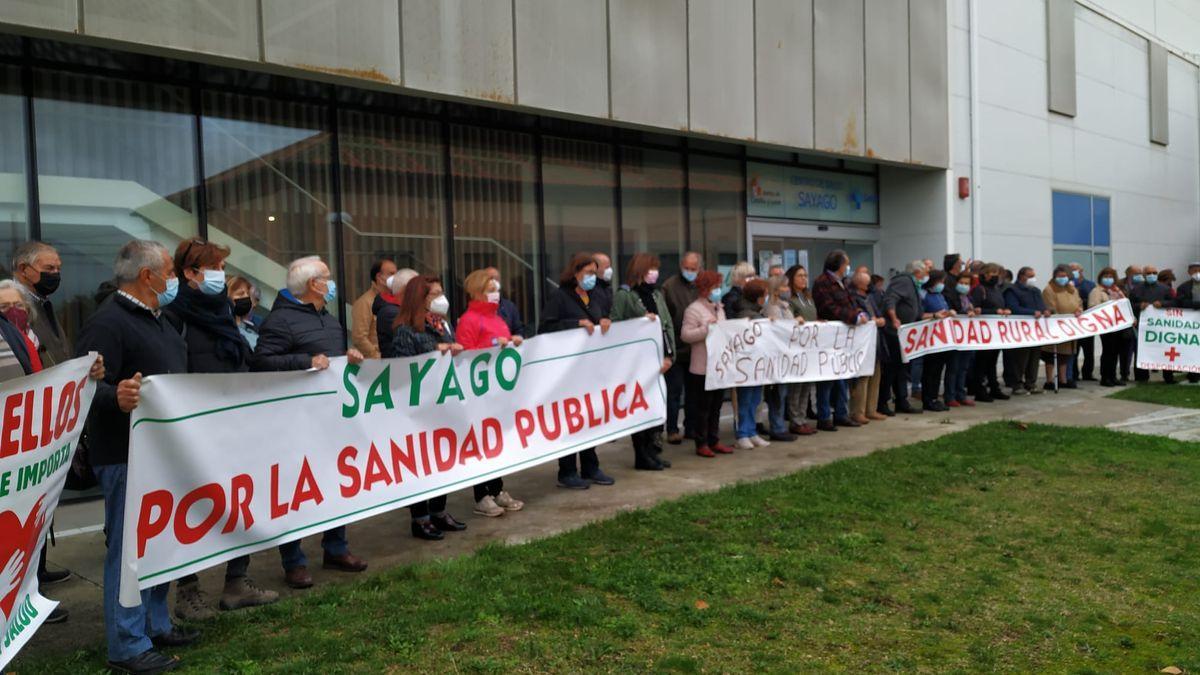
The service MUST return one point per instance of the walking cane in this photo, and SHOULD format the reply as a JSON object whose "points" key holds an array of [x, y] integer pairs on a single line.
{"points": [[1056, 375]]}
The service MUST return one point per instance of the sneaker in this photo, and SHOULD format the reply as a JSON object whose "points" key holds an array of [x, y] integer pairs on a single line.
{"points": [[242, 592], [58, 615], [191, 603], [744, 444], [1018, 391], [506, 502], [1033, 390], [488, 507], [759, 441], [149, 661], [573, 482], [56, 577], [600, 478]]}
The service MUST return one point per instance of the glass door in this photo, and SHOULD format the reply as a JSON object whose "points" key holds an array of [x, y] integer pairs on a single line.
{"points": [[770, 251]]}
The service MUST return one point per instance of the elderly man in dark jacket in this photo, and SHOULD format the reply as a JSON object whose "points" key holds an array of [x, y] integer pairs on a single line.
{"points": [[988, 298], [135, 341], [901, 304], [834, 303], [680, 291], [299, 334], [1024, 299], [1149, 293]]}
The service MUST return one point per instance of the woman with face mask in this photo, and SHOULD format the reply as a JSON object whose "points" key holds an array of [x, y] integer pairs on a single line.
{"points": [[577, 303], [1115, 344], [1060, 298], [482, 327], [422, 328], [203, 313], [703, 406], [242, 296], [800, 395], [934, 306], [642, 299], [18, 312], [987, 298], [750, 306]]}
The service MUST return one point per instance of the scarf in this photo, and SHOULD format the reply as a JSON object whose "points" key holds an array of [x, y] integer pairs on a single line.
{"points": [[646, 293], [213, 315]]}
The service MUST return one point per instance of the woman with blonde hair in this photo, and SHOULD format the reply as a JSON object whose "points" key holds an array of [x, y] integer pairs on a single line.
{"points": [[482, 327]]}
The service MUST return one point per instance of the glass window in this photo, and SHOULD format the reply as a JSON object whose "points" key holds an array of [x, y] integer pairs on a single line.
{"points": [[116, 161], [391, 194], [1100, 227], [266, 165], [579, 180], [14, 227], [1072, 219], [1081, 231], [495, 211], [716, 207], [651, 207]]}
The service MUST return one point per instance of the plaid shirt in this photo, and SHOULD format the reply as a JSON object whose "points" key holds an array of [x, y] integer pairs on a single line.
{"points": [[833, 300]]}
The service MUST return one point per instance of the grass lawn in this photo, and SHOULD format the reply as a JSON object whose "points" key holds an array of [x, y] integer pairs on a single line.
{"points": [[1179, 395], [992, 549]]}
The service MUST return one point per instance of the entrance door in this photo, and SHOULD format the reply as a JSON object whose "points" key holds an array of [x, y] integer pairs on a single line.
{"points": [[787, 244]]}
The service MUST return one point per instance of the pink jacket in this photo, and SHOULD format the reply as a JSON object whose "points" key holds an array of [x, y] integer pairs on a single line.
{"points": [[696, 318], [480, 326]]}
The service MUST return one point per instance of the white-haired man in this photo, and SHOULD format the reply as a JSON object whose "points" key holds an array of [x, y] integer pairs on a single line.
{"points": [[135, 341], [299, 334]]}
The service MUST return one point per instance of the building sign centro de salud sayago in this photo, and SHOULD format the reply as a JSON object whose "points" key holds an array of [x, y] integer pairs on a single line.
{"points": [[776, 191]]}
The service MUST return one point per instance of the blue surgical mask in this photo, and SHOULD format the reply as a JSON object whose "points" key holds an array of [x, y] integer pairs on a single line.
{"points": [[1075, 274], [588, 283], [330, 291], [1062, 281], [168, 294], [689, 275], [214, 282], [1151, 278], [715, 295], [963, 288], [937, 288], [1137, 279], [1106, 281]]}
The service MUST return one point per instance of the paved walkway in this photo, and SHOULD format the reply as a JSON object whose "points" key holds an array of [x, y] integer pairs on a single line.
{"points": [[385, 540]]}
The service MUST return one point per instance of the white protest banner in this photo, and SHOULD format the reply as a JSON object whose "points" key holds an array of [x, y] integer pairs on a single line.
{"points": [[745, 353], [1006, 332], [225, 465], [42, 421], [1169, 339]]}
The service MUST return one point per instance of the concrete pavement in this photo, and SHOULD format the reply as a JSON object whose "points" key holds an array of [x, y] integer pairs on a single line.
{"points": [[385, 540]]}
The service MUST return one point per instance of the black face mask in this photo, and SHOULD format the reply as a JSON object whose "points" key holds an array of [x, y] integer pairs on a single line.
{"points": [[242, 307], [47, 283], [991, 281]]}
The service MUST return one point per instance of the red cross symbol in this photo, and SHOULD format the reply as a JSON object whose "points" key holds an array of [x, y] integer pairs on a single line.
{"points": [[1172, 354]]}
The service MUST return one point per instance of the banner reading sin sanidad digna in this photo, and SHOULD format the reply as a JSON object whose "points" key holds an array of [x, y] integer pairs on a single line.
{"points": [[225, 465], [1169, 339], [41, 424]]}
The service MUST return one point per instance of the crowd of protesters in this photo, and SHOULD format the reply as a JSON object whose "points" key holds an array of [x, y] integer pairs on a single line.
{"points": [[178, 312]]}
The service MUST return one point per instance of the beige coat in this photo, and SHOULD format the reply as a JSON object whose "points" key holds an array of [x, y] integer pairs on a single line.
{"points": [[1061, 300], [362, 325]]}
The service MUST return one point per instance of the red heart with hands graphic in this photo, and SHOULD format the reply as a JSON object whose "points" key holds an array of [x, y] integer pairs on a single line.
{"points": [[18, 542]]}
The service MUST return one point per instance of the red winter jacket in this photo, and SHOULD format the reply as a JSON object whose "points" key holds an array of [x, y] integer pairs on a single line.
{"points": [[481, 326]]}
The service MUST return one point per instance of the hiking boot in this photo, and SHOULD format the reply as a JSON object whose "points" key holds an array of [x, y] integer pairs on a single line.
{"points": [[488, 507], [506, 502], [191, 604], [346, 562], [298, 577], [242, 592]]}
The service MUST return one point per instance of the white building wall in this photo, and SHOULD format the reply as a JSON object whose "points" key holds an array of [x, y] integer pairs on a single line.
{"points": [[1027, 152]]}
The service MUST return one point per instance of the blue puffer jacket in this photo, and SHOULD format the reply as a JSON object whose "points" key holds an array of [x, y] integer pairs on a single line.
{"points": [[295, 332]]}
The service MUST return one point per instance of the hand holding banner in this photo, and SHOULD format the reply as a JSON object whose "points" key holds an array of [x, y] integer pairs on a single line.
{"points": [[225, 465], [42, 422], [1006, 332], [745, 353]]}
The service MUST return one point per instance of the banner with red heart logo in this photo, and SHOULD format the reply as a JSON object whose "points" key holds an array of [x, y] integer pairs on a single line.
{"points": [[41, 419]]}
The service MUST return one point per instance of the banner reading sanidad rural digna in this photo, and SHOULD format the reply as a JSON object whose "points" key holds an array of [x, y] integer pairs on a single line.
{"points": [[1006, 332], [744, 353], [1169, 339], [224, 465], [43, 419]]}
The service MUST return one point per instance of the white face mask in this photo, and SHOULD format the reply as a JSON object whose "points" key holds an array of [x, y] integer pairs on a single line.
{"points": [[607, 276], [389, 282], [1031, 281], [440, 305], [1196, 276], [497, 282], [493, 297]]}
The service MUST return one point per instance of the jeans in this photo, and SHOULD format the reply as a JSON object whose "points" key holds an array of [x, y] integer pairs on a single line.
{"points": [[704, 410], [748, 399], [916, 371], [831, 394], [675, 397], [333, 541], [776, 396], [491, 487], [958, 366], [126, 629], [589, 464]]}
